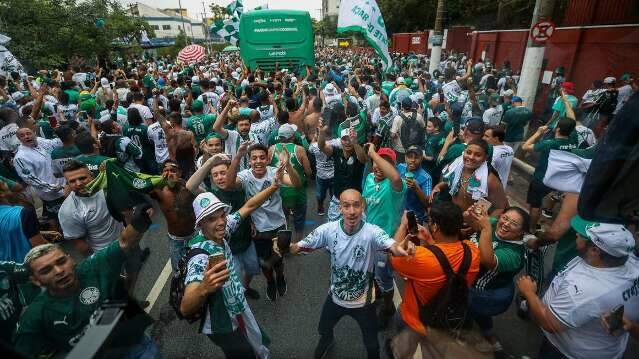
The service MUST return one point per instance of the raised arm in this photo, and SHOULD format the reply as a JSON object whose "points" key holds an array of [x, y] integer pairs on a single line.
{"points": [[291, 178], [218, 126], [387, 168], [321, 141], [231, 174]]}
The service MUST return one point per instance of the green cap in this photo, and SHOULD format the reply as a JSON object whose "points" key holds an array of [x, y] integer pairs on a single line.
{"points": [[197, 105], [213, 135], [625, 77], [581, 226]]}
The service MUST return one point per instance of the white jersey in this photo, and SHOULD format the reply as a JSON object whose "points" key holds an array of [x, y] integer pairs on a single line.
{"points": [[89, 217], [8, 138], [352, 259], [266, 112], [260, 131], [35, 167], [145, 112], [232, 144], [157, 136], [585, 137], [325, 166], [492, 116], [68, 111], [580, 295], [502, 160], [212, 98], [270, 215], [162, 101]]}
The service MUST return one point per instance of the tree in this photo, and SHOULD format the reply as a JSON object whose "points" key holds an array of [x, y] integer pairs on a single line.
{"points": [[48, 33], [219, 12]]}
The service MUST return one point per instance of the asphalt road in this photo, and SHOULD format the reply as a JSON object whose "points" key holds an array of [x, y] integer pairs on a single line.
{"points": [[291, 322]]}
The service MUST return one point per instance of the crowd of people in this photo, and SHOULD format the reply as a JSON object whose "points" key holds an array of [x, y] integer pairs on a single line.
{"points": [[410, 169]]}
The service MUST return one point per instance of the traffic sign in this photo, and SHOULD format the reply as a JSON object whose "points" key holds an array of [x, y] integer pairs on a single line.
{"points": [[542, 31]]}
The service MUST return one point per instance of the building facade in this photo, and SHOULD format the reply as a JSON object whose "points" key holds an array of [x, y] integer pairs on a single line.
{"points": [[168, 23]]}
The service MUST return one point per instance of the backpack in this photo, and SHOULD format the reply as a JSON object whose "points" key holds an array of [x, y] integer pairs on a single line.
{"points": [[177, 286], [449, 307], [411, 133]]}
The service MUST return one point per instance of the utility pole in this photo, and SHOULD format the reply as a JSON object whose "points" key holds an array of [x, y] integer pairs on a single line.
{"points": [[183, 27], [534, 57], [438, 37], [205, 28]]}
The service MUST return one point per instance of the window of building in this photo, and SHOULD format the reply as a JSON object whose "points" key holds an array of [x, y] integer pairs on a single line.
{"points": [[155, 27], [166, 27]]}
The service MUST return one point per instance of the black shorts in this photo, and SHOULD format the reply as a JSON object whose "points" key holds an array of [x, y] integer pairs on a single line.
{"points": [[264, 243], [536, 193]]}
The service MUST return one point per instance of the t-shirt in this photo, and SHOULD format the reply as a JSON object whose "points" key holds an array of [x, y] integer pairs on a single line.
{"points": [[427, 277], [348, 172], [324, 164], [544, 147], [585, 136], [352, 259], [201, 125], [16, 292], [8, 138], [580, 295], [510, 260], [492, 116], [144, 110], [383, 203], [516, 119], [89, 217], [502, 160], [561, 108], [59, 322], [156, 134], [62, 155], [260, 131], [93, 162], [425, 182], [270, 215], [383, 130]]}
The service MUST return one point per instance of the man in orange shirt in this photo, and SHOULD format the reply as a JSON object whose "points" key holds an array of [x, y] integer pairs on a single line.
{"points": [[425, 276]]}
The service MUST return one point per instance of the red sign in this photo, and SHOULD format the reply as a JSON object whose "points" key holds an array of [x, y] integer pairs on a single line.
{"points": [[542, 31]]}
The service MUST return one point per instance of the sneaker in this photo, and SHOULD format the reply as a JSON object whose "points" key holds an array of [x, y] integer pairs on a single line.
{"points": [[547, 213], [320, 212], [271, 291], [323, 347], [251, 293], [281, 286]]}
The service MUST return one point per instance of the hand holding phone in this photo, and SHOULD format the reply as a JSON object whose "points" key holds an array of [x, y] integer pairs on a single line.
{"points": [[215, 259], [615, 320]]}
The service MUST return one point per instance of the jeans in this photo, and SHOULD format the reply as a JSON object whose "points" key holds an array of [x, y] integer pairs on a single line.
{"points": [[365, 317], [383, 272], [146, 349], [321, 187], [485, 304], [299, 215], [177, 248]]}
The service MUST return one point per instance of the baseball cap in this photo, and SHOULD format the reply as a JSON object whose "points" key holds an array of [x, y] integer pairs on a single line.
{"points": [[345, 133], [206, 204], [197, 105], [625, 77], [407, 102], [613, 239], [287, 130], [104, 82], [401, 81], [235, 75], [517, 99], [414, 149], [509, 93], [475, 125], [388, 152], [195, 79], [568, 86], [609, 80], [329, 89]]}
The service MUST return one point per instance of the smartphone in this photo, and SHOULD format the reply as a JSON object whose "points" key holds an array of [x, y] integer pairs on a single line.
{"points": [[215, 259], [53, 121], [616, 319], [284, 239], [412, 222], [484, 204]]}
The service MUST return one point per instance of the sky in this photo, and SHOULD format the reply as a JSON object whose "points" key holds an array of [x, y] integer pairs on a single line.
{"points": [[194, 7]]}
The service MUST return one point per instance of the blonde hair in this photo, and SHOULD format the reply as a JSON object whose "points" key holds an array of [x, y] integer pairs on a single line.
{"points": [[39, 251]]}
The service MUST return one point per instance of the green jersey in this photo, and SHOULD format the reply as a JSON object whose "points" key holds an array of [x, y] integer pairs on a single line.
{"points": [[16, 293], [59, 322], [566, 250], [387, 87], [139, 136], [61, 155], [149, 81], [201, 125], [544, 147], [74, 96], [510, 261], [516, 120], [45, 130], [290, 196], [93, 162], [383, 203]]}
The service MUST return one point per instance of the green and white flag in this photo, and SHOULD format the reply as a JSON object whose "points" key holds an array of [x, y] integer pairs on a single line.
{"points": [[229, 29], [365, 17]]}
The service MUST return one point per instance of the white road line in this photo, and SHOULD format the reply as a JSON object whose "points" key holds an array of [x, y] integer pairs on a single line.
{"points": [[158, 286]]}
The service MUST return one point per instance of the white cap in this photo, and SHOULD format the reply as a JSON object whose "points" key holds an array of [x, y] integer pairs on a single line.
{"points": [[235, 75], [287, 130], [329, 89], [17, 96], [613, 239], [401, 81], [206, 204], [105, 82], [509, 92], [609, 80], [195, 79], [293, 79]]}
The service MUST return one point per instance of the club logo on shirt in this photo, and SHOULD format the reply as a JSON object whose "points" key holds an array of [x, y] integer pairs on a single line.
{"points": [[358, 252], [89, 295], [139, 183], [204, 202]]}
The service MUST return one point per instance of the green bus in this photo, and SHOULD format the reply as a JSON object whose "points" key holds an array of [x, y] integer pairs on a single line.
{"points": [[283, 36]]}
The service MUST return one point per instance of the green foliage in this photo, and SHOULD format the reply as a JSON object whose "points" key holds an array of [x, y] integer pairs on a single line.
{"points": [[219, 12], [180, 42], [48, 33]]}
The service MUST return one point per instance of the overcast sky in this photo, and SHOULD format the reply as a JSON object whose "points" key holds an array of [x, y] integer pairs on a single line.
{"points": [[194, 7]]}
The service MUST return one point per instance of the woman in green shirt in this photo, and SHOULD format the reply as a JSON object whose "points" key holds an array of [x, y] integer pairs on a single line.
{"points": [[501, 256]]}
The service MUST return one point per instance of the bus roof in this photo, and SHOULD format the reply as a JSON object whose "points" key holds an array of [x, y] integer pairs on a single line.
{"points": [[269, 12]]}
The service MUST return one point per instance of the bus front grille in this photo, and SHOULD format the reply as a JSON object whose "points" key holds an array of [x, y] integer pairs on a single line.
{"points": [[269, 64]]}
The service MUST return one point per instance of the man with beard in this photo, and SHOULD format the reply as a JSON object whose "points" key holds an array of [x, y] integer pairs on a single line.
{"points": [[175, 202], [233, 138]]}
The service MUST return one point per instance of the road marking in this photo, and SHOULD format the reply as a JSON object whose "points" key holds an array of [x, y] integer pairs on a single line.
{"points": [[397, 299], [158, 286]]}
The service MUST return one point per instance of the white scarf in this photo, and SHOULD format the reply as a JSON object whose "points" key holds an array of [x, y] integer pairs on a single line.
{"points": [[477, 185]]}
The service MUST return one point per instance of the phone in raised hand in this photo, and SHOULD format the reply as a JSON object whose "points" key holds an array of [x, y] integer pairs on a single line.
{"points": [[215, 259], [616, 319]]}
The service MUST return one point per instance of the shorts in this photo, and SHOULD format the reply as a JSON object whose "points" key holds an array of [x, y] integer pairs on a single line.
{"points": [[133, 260], [536, 193], [264, 243], [247, 262], [51, 208], [299, 216]]}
